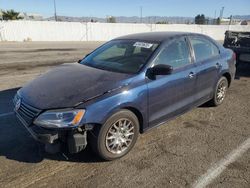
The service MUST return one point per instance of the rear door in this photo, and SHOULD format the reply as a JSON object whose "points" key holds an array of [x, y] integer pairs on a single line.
{"points": [[170, 95], [207, 58]]}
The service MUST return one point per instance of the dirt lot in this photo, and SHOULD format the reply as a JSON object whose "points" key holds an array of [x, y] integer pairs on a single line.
{"points": [[206, 145]]}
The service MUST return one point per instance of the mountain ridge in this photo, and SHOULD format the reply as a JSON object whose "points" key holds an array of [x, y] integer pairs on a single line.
{"points": [[136, 19]]}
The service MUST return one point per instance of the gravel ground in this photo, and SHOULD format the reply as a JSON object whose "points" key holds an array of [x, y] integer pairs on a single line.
{"points": [[176, 154]]}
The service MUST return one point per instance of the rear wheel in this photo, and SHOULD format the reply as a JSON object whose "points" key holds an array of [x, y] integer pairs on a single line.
{"points": [[220, 91], [117, 136]]}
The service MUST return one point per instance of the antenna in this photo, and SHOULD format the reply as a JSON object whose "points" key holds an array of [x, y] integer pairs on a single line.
{"points": [[141, 14]]}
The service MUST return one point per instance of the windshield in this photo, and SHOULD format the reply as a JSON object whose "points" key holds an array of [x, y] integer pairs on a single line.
{"points": [[125, 56]]}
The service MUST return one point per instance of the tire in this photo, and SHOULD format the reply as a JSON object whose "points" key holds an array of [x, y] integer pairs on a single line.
{"points": [[116, 137], [222, 87]]}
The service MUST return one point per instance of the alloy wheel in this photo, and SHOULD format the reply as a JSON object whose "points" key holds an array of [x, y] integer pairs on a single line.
{"points": [[120, 136], [221, 92]]}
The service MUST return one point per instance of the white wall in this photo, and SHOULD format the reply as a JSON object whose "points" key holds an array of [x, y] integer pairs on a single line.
{"points": [[76, 31]]}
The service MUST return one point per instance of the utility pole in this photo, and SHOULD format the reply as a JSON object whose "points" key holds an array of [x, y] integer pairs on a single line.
{"points": [[221, 12], [141, 14], [231, 20], [214, 21], [55, 10]]}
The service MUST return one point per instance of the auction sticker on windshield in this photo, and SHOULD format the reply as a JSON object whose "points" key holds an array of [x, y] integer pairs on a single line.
{"points": [[143, 45]]}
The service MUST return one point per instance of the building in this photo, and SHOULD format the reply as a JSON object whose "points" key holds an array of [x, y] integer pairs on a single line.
{"points": [[226, 21]]}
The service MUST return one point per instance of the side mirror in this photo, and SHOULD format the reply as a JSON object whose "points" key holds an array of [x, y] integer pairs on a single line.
{"points": [[79, 61], [161, 69]]}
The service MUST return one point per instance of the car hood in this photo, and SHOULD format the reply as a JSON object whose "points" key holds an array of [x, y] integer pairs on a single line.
{"points": [[70, 84]]}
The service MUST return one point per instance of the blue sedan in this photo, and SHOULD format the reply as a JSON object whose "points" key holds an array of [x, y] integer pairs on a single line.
{"points": [[123, 88]]}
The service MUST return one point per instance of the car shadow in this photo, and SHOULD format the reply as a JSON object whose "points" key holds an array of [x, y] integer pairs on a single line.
{"points": [[17, 144]]}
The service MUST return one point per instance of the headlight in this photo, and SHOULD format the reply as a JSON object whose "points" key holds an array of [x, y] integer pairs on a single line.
{"points": [[60, 119]]}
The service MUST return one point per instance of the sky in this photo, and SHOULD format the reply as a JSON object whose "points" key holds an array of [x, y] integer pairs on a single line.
{"points": [[103, 8]]}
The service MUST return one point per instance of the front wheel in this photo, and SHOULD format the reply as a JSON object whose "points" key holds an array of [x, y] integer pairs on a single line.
{"points": [[117, 136], [220, 91]]}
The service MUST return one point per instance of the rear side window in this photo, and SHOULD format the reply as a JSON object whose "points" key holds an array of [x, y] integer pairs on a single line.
{"points": [[203, 49], [175, 54]]}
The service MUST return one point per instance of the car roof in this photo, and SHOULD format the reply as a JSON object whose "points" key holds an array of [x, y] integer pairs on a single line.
{"points": [[155, 36]]}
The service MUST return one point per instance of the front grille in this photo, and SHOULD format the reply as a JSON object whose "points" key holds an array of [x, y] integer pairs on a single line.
{"points": [[25, 111]]}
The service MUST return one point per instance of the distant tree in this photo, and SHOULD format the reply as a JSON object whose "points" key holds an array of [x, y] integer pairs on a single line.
{"points": [[200, 19], [197, 19], [111, 19], [11, 15], [218, 21], [162, 22], [93, 21]]}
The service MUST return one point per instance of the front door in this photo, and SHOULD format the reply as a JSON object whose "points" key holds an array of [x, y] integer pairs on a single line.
{"points": [[170, 95]]}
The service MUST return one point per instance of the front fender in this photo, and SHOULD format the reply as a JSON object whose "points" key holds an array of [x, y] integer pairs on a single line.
{"points": [[100, 110]]}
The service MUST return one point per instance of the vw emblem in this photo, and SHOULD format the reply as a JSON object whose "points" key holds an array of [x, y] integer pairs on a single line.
{"points": [[18, 104]]}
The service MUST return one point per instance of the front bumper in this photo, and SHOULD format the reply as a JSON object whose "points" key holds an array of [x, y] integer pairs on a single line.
{"points": [[74, 138]]}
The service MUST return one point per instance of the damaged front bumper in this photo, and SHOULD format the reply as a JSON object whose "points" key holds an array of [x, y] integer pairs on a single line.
{"points": [[40, 134], [74, 139]]}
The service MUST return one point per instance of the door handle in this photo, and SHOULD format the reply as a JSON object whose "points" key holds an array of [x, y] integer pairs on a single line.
{"points": [[218, 65], [191, 75]]}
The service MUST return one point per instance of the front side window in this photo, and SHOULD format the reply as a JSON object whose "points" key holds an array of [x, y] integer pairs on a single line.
{"points": [[125, 56], [175, 54], [203, 49]]}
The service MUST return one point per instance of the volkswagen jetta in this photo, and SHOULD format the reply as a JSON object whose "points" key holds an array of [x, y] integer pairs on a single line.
{"points": [[124, 88]]}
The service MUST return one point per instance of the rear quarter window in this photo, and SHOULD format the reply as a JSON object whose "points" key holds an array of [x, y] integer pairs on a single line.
{"points": [[203, 49]]}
